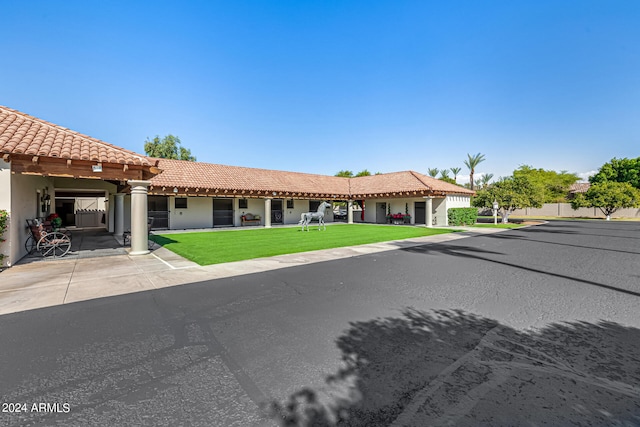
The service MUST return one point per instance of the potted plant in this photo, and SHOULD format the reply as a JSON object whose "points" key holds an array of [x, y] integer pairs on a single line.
{"points": [[407, 217], [397, 218], [55, 220]]}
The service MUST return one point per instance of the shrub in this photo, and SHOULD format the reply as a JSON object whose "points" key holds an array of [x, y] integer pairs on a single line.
{"points": [[462, 216]]}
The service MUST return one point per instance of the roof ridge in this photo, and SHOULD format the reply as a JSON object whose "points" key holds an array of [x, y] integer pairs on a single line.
{"points": [[419, 178], [249, 167], [71, 131]]}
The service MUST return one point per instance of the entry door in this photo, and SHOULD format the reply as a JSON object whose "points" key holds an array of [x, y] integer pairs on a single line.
{"points": [[381, 213], [420, 212], [222, 212], [158, 209], [276, 211]]}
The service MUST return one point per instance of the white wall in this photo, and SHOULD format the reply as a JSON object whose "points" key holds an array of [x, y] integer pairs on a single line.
{"points": [[70, 184], [24, 205], [254, 207], [290, 216], [565, 210], [456, 201], [198, 214], [5, 204]]}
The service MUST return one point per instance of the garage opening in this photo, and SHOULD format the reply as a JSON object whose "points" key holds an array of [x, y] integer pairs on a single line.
{"points": [[86, 208]]}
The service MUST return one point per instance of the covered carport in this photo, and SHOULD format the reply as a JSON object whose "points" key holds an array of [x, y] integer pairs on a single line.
{"points": [[39, 159]]}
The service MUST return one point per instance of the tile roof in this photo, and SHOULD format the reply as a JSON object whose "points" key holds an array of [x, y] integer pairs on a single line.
{"points": [[180, 173], [23, 134], [406, 181]]}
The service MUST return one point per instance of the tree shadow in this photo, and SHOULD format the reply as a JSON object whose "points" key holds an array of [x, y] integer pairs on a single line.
{"points": [[529, 239], [476, 253], [583, 231], [455, 368]]}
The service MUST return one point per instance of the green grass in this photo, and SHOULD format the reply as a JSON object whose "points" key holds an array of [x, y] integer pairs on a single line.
{"points": [[215, 247]]}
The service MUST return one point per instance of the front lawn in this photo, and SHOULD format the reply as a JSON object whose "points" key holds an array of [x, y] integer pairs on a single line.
{"points": [[215, 247]]}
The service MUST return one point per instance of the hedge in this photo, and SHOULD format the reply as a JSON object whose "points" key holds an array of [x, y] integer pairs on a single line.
{"points": [[462, 216]]}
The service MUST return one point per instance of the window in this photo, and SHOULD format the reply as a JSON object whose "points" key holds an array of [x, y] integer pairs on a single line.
{"points": [[181, 203], [243, 204], [290, 204], [313, 205]]}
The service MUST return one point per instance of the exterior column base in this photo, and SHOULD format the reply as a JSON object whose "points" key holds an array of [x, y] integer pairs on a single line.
{"points": [[134, 253]]}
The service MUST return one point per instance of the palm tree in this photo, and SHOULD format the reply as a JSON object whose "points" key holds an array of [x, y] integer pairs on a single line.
{"points": [[444, 173], [471, 163], [455, 172], [484, 181], [433, 172]]}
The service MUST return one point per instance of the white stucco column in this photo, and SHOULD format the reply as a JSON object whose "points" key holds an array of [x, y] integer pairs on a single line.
{"points": [[429, 211], [139, 232], [350, 212], [267, 213], [119, 214]]}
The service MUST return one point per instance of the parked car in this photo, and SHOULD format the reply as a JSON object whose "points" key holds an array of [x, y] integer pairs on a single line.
{"points": [[340, 213]]}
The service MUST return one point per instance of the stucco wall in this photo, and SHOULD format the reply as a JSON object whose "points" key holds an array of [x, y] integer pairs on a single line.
{"points": [[198, 214], [5, 204], [25, 205], [69, 184], [564, 210]]}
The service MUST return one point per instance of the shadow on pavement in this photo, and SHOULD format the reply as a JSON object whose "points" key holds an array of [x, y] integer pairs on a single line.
{"points": [[455, 368], [477, 254], [529, 239]]}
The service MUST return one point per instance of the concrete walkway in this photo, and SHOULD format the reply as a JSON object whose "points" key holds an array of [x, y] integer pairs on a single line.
{"points": [[106, 271]]}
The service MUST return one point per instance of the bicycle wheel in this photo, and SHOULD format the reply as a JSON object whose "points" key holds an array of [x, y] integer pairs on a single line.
{"points": [[30, 245]]}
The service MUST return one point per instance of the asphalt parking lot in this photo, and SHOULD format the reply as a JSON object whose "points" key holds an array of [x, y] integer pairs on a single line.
{"points": [[524, 327]]}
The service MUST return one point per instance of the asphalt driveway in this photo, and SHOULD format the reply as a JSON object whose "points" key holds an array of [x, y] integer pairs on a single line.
{"points": [[525, 327]]}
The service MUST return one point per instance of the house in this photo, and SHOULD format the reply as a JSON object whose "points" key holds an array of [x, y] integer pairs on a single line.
{"points": [[47, 168]]}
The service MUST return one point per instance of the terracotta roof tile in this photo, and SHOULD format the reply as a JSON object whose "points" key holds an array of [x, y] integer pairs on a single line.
{"points": [[213, 176], [180, 173], [24, 134], [402, 182]]}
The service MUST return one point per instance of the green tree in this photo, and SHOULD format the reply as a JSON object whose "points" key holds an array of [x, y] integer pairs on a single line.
{"points": [[448, 179], [556, 184], [472, 162], [608, 196], [455, 172], [168, 147], [511, 193], [444, 176], [433, 172], [364, 172], [345, 174], [619, 170]]}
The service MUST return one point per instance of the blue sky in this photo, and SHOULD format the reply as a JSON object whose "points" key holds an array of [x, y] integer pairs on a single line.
{"points": [[320, 86]]}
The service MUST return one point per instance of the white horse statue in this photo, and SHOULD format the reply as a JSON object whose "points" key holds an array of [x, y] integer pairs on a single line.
{"points": [[307, 217]]}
